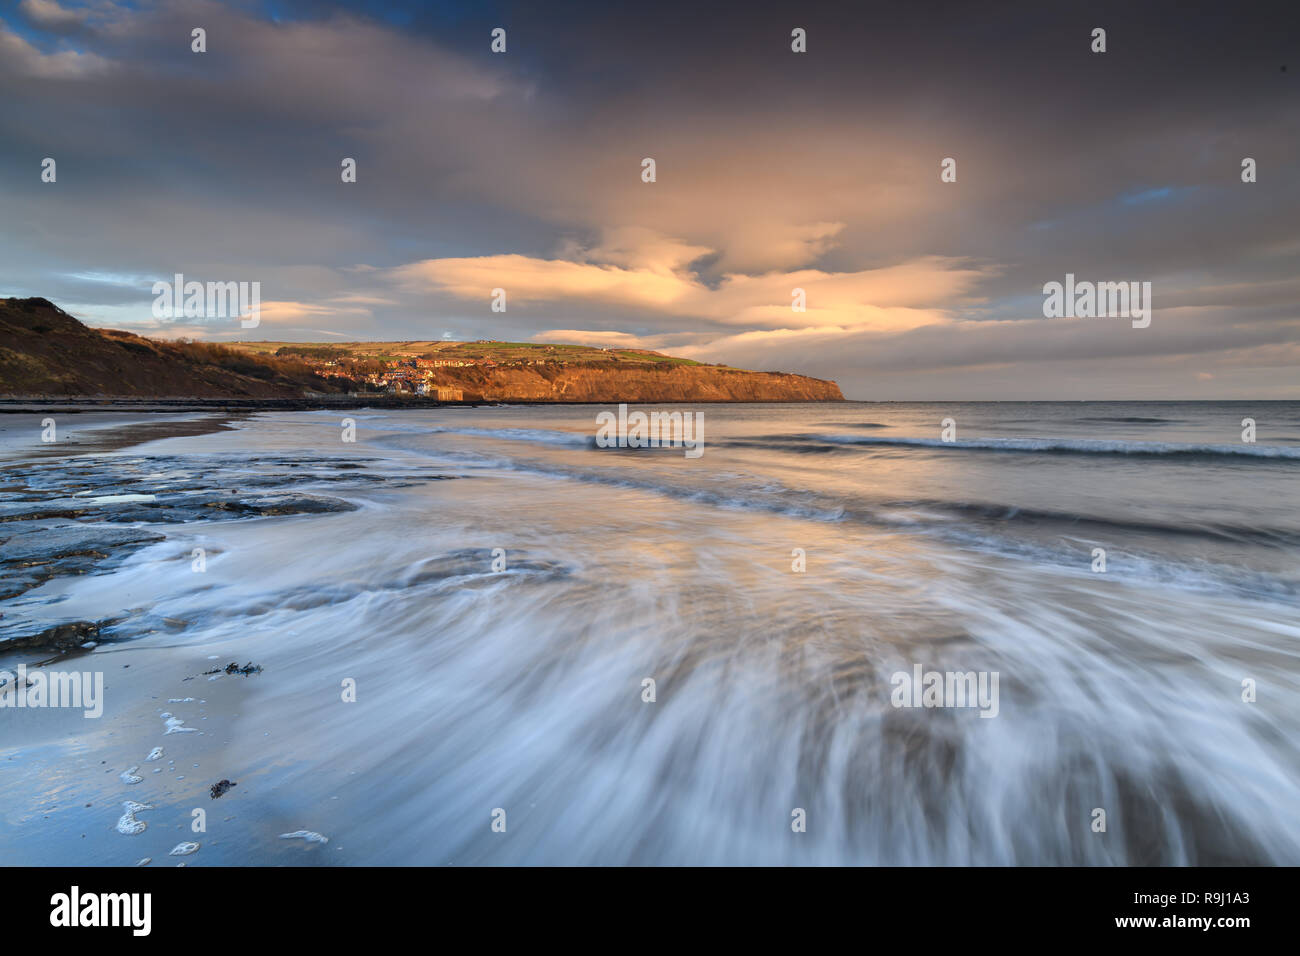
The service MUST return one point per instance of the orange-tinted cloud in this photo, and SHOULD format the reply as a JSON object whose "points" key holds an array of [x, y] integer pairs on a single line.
{"points": [[646, 273]]}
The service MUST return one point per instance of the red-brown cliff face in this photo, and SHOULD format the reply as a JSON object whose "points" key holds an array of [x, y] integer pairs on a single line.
{"points": [[622, 383]]}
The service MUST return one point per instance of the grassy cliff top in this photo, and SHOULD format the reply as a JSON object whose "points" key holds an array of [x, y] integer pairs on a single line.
{"points": [[502, 352]]}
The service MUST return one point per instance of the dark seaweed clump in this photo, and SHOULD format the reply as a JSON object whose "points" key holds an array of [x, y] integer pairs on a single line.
{"points": [[233, 668]]}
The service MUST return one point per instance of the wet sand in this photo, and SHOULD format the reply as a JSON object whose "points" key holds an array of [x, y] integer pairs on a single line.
{"points": [[90, 432], [66, 778]]}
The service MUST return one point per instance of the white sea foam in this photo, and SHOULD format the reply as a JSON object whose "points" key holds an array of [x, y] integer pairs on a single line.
{"points": [[177, 726], [128, 825]]}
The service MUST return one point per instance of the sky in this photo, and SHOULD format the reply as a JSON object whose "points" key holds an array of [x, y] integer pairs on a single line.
{"points": [[775, 170]]}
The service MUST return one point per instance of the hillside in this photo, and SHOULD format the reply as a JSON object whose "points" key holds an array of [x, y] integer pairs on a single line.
{"points": [[529, 371], [500, 352], [45, 351]]}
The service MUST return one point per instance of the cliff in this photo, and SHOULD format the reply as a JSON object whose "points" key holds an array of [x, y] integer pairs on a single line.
{"points": [[623, 383], [46, 352]]}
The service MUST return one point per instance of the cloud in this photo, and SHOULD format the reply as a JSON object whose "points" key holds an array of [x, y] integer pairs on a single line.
{"points": [[288, 311], [49, 15], [768, 246], [20, 57], [621, 340], [650, 275], [637, 247]]}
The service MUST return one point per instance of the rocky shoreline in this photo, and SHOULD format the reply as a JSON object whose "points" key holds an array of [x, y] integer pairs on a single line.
{"points": [[88, 514]]}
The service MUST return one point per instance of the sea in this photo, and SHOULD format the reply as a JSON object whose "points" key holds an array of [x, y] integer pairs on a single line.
{"points": [[487, 640]]}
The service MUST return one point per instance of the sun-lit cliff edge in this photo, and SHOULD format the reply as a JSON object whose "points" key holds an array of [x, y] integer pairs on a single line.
{"points": [[630, 383]]}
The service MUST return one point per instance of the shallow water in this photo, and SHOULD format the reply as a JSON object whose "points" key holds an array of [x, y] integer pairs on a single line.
{"points": [[521, 689]]}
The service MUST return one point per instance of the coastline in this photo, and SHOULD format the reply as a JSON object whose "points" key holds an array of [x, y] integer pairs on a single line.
{"points": [[74, 405]]}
